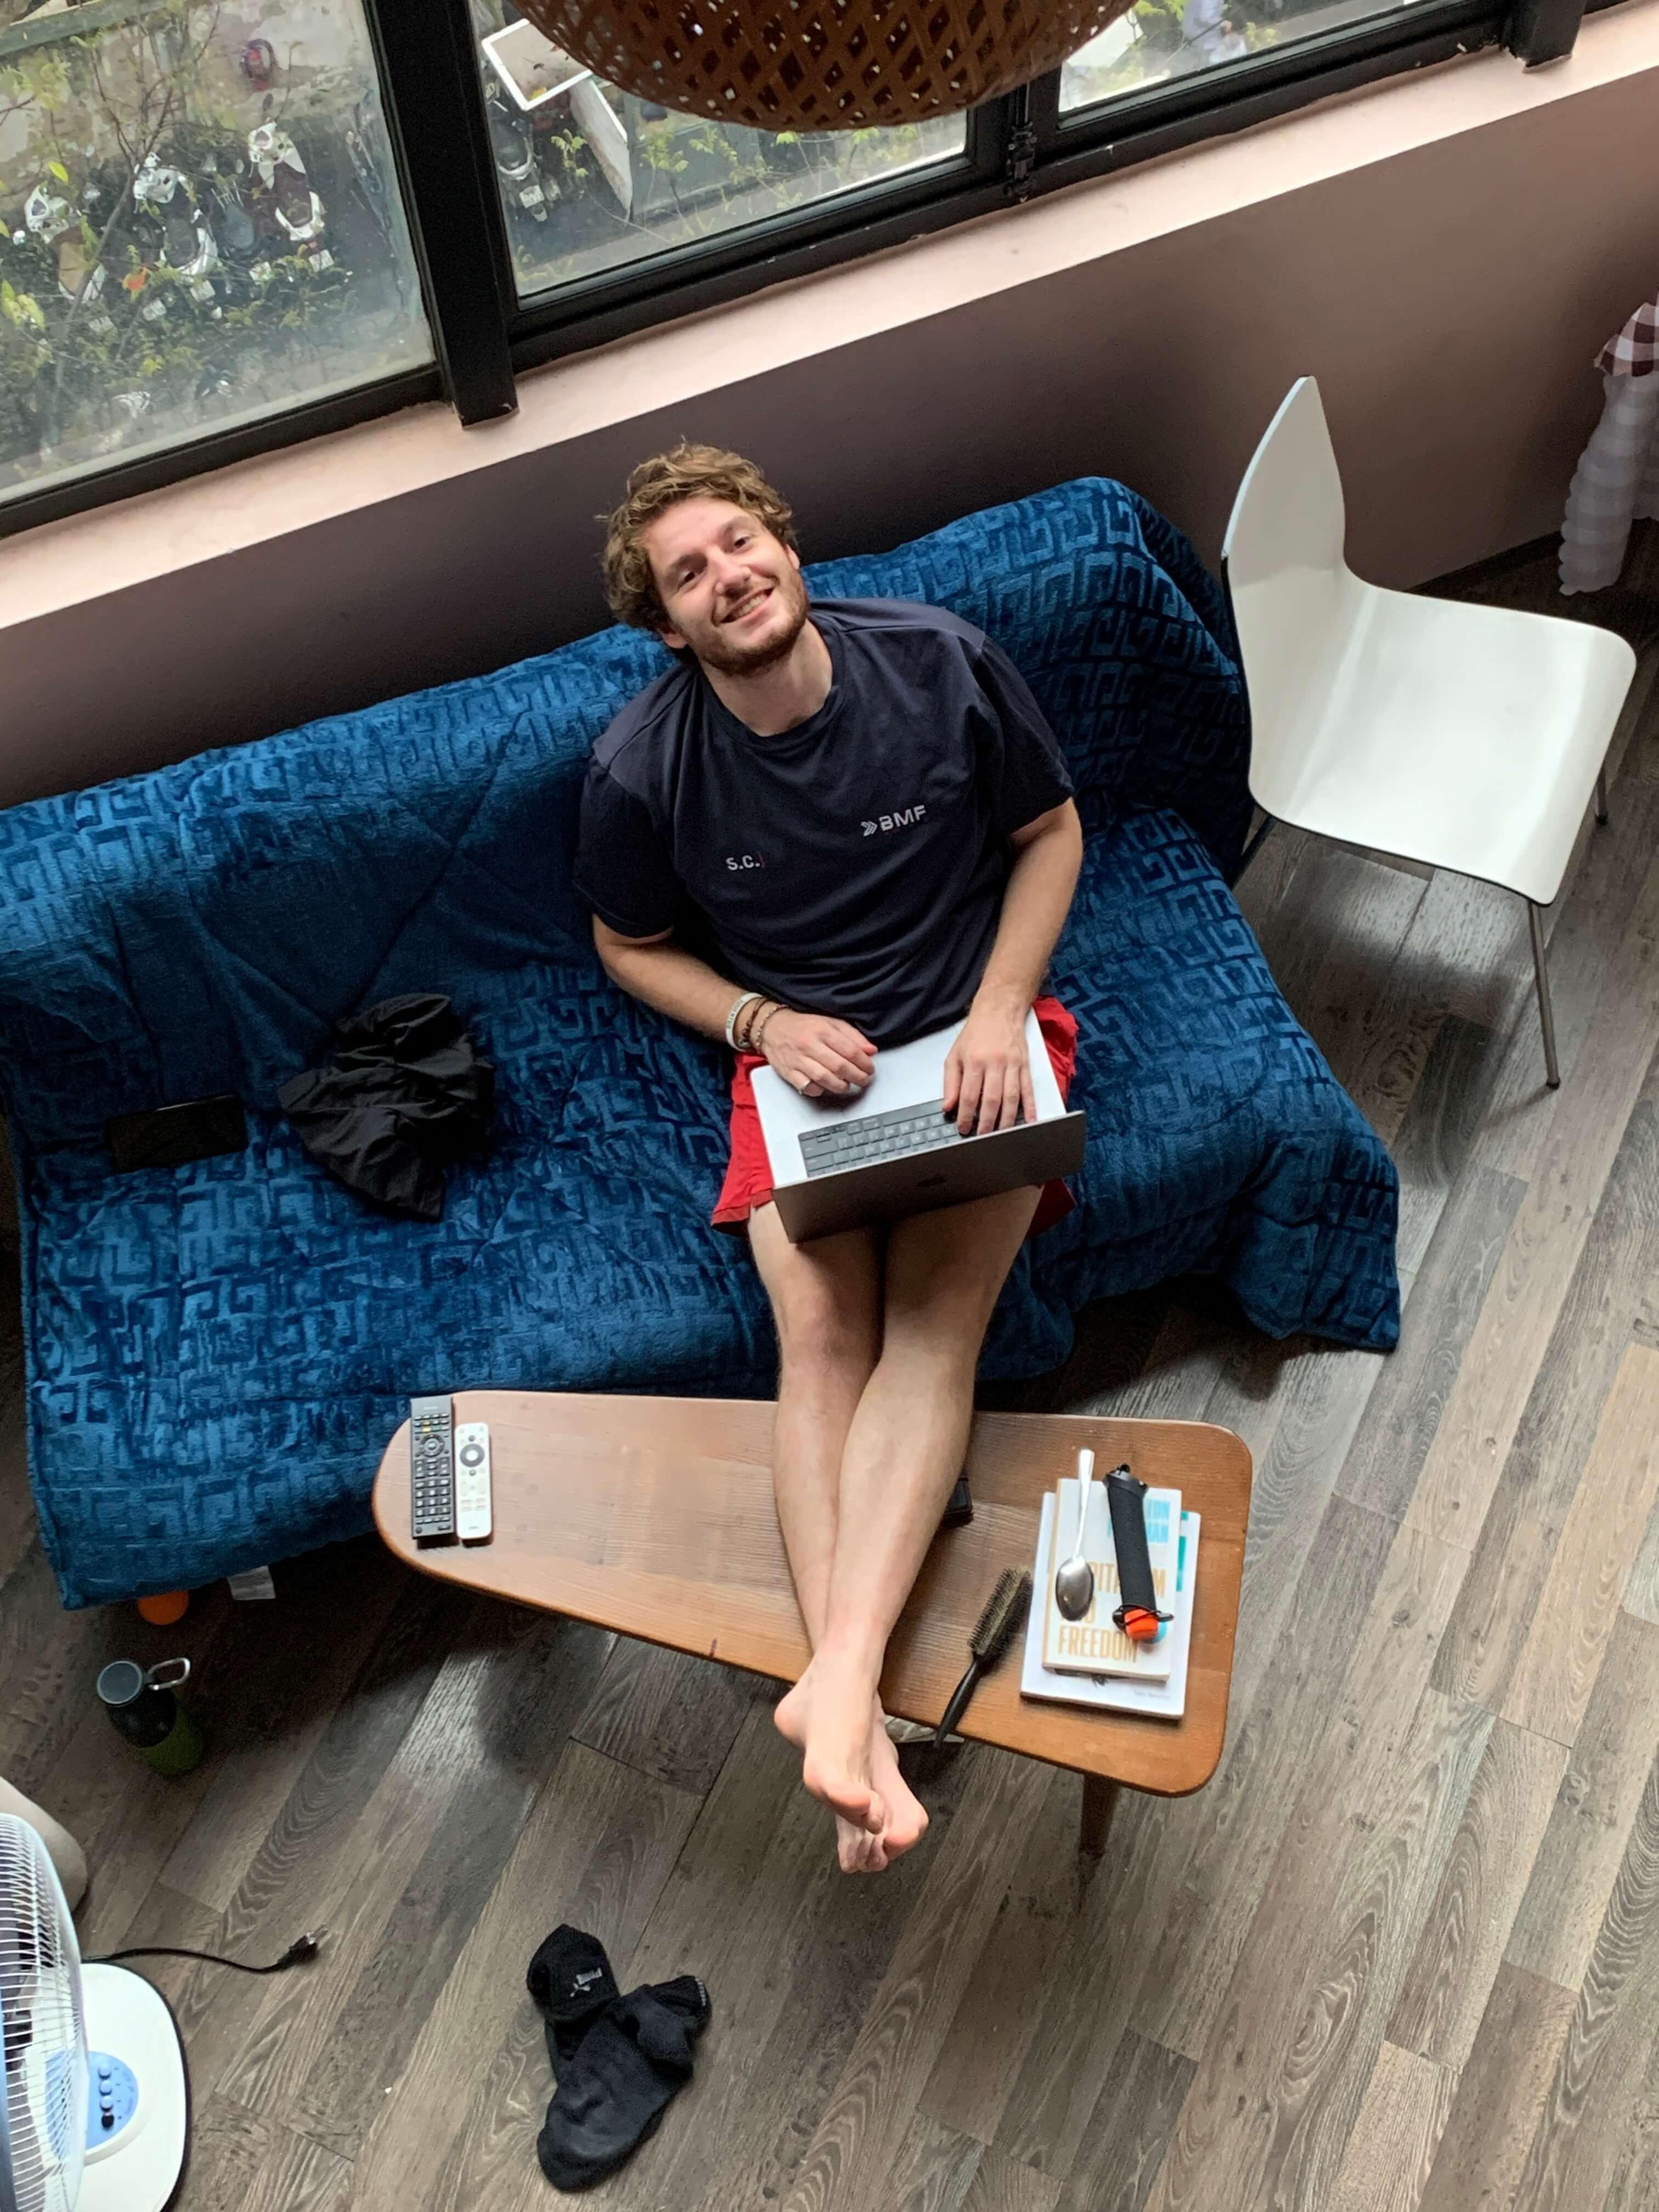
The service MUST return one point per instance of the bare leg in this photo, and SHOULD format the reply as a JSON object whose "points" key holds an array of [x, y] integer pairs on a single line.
{"points": [[903, 1451], [826, 1301], [826, 1298]]}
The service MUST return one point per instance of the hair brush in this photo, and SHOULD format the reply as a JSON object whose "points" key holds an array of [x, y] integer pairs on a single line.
{"points": [[1005, 1609]]}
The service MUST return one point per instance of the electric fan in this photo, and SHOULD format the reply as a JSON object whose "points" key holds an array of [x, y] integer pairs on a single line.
{"points": [[94, 2113]]}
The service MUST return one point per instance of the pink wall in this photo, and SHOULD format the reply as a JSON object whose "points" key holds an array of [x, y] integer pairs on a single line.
{"points": [[1449, 299]]}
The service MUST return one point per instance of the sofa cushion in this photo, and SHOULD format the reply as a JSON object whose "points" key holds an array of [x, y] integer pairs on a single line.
{"points": [[216, 1354], [220, 1352], [199, 929]]}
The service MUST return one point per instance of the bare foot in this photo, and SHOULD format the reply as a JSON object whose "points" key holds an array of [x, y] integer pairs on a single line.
{"points": [[827, 1716], [857, 1851], [907, 1817]]}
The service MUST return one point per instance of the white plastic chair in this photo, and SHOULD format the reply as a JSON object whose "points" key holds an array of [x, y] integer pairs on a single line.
{"points": [[1470, 737]]}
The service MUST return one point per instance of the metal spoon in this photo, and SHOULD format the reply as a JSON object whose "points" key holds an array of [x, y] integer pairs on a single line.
{"points": [[1074, 1585]]}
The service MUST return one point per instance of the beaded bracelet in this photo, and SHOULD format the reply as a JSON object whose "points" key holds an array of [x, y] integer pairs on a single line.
{"points": [[748, 1022], [758, 1032]]}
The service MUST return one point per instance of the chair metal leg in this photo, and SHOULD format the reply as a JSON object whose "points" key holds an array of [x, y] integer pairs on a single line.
{"points": [[1255, 845], [1601, 796], [1552, 1072]]}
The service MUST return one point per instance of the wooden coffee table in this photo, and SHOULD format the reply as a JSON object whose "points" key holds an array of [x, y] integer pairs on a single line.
{"points": [[654, 1516]]}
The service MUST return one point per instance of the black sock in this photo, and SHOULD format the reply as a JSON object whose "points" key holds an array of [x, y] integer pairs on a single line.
{"points": [[571, 1981], [624, 2062]]}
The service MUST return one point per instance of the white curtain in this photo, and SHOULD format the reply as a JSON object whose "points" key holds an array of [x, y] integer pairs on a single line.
{"points": [[1617, 479]]}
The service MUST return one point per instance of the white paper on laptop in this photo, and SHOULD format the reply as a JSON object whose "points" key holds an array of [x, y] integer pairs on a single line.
{"points": [[1108, 1693]]}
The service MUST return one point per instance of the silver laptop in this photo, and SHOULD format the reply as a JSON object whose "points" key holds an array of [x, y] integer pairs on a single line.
{"points": [[840, 1163]]}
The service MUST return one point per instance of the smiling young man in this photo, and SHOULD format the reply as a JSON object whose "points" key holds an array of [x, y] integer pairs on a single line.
{"points": [[859, 812]]}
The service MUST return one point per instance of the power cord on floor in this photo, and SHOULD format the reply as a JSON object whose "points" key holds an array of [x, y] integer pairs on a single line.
{"points": [[301, 1948]]}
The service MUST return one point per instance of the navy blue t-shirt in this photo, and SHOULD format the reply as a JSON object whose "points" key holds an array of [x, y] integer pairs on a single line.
{"points": [[853, 865]]}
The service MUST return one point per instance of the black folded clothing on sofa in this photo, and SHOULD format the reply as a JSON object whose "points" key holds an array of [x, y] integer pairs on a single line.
{"points": [[404, 1096]]}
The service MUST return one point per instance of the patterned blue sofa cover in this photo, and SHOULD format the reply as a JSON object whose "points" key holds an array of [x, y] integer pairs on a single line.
{"points": [[217, 1354]]}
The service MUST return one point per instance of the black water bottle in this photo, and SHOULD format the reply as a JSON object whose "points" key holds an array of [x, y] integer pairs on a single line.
{"points": [[142, 1707]]}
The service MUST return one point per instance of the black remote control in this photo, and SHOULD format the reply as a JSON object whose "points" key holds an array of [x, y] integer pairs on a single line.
{"points": [[432, 1470]]}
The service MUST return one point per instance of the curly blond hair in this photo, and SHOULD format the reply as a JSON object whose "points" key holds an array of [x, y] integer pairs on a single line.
{"points": [[689, 471]]}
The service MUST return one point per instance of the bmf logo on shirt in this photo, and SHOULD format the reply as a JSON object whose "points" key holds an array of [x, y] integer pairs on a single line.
{"points": [[901, 818]]}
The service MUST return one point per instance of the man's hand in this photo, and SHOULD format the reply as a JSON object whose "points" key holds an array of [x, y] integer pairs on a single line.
{"points": [[987, 1076], [814, 1053]]}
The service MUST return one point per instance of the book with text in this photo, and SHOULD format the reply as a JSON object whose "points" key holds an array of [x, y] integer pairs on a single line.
{"points": [[1114, 1693], [1092, 1645]]}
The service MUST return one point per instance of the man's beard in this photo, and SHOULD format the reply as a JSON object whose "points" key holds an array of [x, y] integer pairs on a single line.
{"points": [[728, 658]]}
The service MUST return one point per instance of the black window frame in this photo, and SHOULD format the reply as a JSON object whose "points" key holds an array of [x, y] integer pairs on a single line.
{"points": [[1017, 148]]}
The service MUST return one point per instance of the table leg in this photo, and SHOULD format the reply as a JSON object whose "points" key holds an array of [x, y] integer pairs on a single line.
{"points": [[1099, 1802]]}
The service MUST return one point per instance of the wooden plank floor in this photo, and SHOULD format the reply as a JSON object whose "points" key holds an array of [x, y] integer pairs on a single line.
{"points": [[1401, 1956]]}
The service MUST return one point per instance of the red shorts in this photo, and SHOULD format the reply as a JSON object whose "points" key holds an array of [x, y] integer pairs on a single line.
{"points": [[749, 1174]]}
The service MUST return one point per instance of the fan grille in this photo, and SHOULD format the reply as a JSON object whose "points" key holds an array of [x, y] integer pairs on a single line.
{"points": [[43, 2114]]}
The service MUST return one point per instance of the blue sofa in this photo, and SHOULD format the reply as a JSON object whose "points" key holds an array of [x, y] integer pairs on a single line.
{"points": [[217, 1353]]}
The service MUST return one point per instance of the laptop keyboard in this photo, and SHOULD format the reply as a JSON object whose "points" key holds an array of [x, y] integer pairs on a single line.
{"points": [[898, 1135]]}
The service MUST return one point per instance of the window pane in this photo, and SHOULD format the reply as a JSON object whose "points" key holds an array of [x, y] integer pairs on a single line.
{"points": [[1160, 39], [593, 178], [201, 224]]}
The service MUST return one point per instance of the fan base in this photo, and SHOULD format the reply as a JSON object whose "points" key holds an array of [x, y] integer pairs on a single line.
{"points": [[139, 2168]]}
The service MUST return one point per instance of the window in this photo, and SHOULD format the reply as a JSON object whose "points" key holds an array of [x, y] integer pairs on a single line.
{"points": [[593, 178], [202, 224], [221, 229], [1161, 39]]}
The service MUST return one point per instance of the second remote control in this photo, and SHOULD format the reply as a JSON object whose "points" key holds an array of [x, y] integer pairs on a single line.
{"points": [[472, 1515], [431, 1470]]}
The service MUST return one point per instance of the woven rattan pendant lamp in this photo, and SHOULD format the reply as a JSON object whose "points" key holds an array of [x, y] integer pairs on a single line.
{"points": [[821, 64]]}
